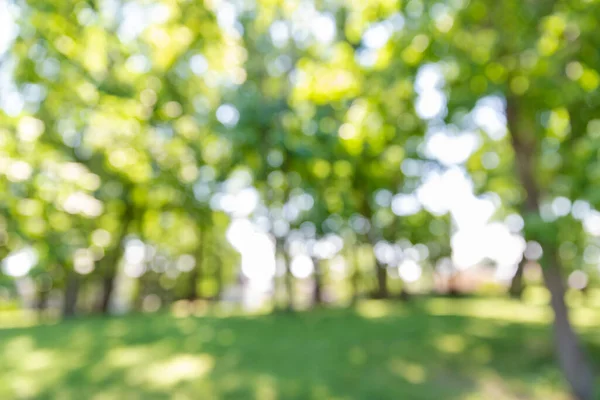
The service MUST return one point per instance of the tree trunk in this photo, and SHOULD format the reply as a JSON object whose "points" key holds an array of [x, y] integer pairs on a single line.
{"points": [[382, 289], [573, 362], [112, 259], [41, 301], [571, 356], [516, 284], [279, 280], [355, 274], [289, 282], [193, 292], [404, 295], [218, 277], [318, 283], [142, 289], [108, 284], [70, 297], [196, 274]]}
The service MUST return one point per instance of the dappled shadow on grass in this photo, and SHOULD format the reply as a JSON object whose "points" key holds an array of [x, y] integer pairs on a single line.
{"points": [[421, 350]]}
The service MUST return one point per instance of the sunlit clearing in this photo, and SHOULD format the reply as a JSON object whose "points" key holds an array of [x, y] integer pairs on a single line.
{"points": [[472, 212], [257, 252], [20, 262], [475, 239], [258, 258], [493, 241]]}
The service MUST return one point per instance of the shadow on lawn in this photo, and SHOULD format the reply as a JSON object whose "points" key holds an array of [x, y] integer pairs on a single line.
{"points": [[328, 354]]}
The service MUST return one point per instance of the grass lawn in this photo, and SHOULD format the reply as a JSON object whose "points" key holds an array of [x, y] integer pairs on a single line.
{"points": [[427, 349]]}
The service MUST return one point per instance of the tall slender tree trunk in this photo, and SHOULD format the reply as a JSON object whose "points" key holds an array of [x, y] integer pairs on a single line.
{"points": [[41, 301], [142, 289], [318, 283], [70, 295], [196, 274], [381, 291], [143, 281], [516, 284], [279, 290], [576, 368], [289, 281], [218, 276], [571, 356], [354, 273], [108, 285], [382, 286], [112, 259]]}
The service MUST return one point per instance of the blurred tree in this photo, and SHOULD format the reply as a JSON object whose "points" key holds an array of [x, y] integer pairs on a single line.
{"points": [[139, 117], [537, 58]]}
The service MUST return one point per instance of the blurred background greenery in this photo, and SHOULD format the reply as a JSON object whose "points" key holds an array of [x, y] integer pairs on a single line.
{"points": [[311, 199]]}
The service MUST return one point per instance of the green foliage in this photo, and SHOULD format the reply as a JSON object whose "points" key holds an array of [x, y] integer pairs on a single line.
{"points": [[134, 127]]}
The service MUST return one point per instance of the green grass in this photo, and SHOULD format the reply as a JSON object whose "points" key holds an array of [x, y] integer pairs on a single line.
{"points": [[427, 349]]}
